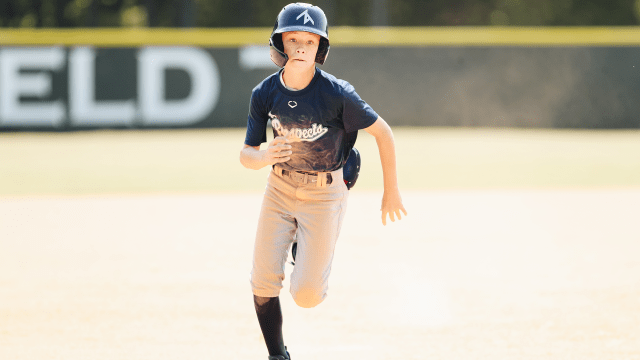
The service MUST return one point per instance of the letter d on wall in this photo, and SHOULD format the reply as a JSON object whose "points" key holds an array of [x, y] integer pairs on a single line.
{"points": [[205, 85]]}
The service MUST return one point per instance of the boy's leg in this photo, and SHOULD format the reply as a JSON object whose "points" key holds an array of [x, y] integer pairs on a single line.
{"points": [[270, 319], [319, 219], [274, 235], [276, 229]]}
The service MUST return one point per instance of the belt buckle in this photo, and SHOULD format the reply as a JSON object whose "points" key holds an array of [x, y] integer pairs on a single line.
{"points": [[296, 176]]}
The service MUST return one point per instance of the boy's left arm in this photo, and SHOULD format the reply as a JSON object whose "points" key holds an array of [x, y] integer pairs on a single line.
{"points": [[391, 200]]}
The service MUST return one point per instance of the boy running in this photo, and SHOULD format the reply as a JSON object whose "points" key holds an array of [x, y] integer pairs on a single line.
{"points": [[315, 119]]}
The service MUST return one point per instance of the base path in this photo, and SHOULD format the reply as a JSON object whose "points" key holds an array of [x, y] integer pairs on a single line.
{"points": [[498, 275]]}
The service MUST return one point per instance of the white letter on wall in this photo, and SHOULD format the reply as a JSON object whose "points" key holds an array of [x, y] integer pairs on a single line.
{"points": [[85, 110], [205, 85], [13, 85]]}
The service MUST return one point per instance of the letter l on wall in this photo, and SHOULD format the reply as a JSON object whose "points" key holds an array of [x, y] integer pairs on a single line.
{"points": [[85, 110]]}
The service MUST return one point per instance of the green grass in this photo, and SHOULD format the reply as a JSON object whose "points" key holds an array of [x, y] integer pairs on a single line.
{"points": [[176, 161]]}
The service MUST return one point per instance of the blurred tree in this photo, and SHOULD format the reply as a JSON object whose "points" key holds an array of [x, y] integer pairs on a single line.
{"points": [[379, 13], [352, 13], [439, 12], [250, 13]]}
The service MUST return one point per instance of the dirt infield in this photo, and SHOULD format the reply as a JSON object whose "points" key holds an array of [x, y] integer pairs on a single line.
{"points": [[135, 245], [483, 274]]}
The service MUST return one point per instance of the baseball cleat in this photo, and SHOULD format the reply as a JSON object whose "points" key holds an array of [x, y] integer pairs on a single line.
{"points": [[281, 357]]}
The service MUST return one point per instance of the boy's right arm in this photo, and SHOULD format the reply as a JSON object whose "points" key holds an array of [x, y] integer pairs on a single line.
{"points": [[278, 151]]}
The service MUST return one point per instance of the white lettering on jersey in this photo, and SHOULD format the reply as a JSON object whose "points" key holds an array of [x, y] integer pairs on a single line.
{"points": [[313, 133], [307, 17]]}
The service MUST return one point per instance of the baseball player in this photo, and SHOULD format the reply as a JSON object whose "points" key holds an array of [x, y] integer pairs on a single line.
{"points": [[315, 119]]}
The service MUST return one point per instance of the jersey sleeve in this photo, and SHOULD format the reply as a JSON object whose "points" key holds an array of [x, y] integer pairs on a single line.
{"points": [[357, 114], [257, 120]]}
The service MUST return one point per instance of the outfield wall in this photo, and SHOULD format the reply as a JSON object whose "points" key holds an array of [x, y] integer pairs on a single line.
{"points": [[161, 78]]}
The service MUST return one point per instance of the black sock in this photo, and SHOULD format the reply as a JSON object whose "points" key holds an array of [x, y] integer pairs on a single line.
{"points": [[270, 319]]}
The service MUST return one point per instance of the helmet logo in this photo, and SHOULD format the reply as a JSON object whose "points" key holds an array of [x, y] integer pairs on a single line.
{"points": [[307, 17]]}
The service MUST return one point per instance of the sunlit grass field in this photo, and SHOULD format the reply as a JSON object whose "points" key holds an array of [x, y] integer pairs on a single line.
{"points": [[206, 161]]}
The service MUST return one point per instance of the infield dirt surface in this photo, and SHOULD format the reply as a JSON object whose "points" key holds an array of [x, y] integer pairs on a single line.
{"points": [[517, 270]]}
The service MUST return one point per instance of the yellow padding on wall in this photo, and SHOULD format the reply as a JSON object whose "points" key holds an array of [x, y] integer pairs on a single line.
{"points": [[340, 36]]}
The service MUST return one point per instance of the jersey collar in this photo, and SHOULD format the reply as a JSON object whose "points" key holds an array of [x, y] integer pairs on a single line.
{"points": [[297, 92]]}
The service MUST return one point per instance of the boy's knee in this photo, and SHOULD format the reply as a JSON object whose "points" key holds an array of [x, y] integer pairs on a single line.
{"points": [[308, 297]]}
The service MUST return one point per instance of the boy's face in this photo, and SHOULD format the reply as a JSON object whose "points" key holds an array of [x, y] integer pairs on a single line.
{"points": [[301, 47]]}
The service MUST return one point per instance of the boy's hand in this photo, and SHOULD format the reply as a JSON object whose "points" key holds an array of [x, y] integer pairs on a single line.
{"points": [[392, 205], [278, 151]]}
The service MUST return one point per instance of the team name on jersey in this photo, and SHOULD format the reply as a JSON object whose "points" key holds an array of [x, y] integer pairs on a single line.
{"points": [[298, 134]]}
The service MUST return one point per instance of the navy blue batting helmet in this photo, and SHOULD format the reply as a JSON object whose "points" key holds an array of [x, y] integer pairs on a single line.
{"points": [[299, 17]]}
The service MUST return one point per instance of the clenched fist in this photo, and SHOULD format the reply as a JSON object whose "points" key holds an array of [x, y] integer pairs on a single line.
{"points": [[279, 151]]}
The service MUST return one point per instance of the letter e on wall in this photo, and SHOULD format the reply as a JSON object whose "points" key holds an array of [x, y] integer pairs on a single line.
{"points": [[14, 85]]}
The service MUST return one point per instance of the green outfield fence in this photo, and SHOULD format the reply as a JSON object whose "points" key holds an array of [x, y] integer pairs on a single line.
{"points": [[74, 79]]}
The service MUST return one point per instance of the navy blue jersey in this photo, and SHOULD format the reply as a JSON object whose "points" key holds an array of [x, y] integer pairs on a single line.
{"points": [[321, 121]]}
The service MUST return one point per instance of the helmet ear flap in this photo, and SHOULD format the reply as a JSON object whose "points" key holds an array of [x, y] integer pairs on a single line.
{"points": [[323, 51], [276, 51]]}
